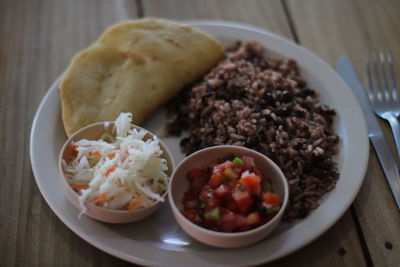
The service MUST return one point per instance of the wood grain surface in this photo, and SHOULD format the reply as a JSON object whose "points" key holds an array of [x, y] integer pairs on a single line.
{"points": [[355, 33], [37, 40], [39, 37]]}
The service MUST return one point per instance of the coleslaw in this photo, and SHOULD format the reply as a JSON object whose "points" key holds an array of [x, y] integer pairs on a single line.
{"points": [[124, 173]]}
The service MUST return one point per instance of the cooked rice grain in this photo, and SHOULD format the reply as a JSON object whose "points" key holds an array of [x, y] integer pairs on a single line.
{"points": [[264, 104]]}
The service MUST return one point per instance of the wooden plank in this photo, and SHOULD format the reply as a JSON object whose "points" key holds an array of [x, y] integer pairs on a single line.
{"points": [[38, 38], [270, 14], [339, 246], [362, 26], [267, 14]]}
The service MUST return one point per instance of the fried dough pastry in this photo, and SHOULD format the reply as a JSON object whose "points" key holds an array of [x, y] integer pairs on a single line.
{"points": [[135, 66]]}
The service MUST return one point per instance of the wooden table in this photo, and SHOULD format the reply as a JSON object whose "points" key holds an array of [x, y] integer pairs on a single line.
{"points": [[39, 37]]}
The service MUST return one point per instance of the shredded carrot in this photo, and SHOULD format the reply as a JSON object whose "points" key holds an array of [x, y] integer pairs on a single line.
{"points": [[111, 155], [133, 203], [78, 186], [100, 199], [96, 153], [110, 170], [124, 156]]}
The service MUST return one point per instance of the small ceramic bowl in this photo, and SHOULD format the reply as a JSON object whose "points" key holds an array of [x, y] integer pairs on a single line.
{"points": [[94, 132], [209, 156]]}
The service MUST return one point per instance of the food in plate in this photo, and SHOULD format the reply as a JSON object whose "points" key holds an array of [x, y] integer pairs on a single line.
{"points": [[122, 172], [135, 66], [232, 196], [263, 103]]}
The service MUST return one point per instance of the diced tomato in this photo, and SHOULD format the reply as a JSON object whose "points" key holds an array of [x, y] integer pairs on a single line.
{"points": [[223, 190], [215, 179], [227, 164], [197, 178], [223, 166], [240, 221], [243, 200], [227, 222], [228, 198], [214, 200], [253, 218], [248, 163], [252, 182], [238, 170], [111, 155], [232, 206], [192, 214], [272, 199], [188, 197]]}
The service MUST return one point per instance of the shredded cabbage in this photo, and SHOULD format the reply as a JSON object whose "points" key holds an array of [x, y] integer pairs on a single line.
{"points": [[114, 174]]}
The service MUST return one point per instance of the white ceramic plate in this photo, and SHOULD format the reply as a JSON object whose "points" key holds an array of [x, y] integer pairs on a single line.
{"points": [[158, 240]]}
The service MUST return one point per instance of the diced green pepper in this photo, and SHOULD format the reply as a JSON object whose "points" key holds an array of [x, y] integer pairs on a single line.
{"points": [[238, 162], [274, 209], [212, 214], [231, 174]]}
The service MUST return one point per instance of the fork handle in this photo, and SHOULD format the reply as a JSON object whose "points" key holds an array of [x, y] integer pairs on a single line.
{"points": [[394, 123]]}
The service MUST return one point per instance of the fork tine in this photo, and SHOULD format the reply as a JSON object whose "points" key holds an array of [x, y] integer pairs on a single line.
{"points": [[378, 82], [393, 77], [385, 87], [370, 83]]}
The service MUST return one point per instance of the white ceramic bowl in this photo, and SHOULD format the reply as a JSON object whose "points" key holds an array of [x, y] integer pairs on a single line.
{"points": [[94, 132], [204, 158]]}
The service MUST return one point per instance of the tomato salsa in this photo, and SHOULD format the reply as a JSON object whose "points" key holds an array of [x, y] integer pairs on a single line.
{"points": [[232, 196]]}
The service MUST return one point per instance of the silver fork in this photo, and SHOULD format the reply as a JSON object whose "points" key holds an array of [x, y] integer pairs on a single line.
{"points": [[382, 94]]}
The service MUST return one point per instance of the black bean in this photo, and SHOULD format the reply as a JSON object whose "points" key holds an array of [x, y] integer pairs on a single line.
{"points": [[309, 92], [327, 110], [269, 99], [257, 107], [283, 111], [279, 121], [221, 92], [300, 113], [326, 164], [306, 92], [286, 96], [252, 141], [334, 173]]}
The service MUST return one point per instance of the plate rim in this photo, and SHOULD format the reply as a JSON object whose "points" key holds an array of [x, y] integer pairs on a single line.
{"points": [[136, 259]]}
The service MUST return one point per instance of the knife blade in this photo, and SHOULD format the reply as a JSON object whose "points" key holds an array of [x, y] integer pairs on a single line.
{"points": [[376, 136]]}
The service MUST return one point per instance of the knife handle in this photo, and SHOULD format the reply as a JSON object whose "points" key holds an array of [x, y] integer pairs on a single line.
{"points": [[394, 124], [388, 164]]}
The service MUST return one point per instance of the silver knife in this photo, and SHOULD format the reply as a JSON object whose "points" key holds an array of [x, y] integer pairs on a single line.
{"points": [[376, 136]]}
